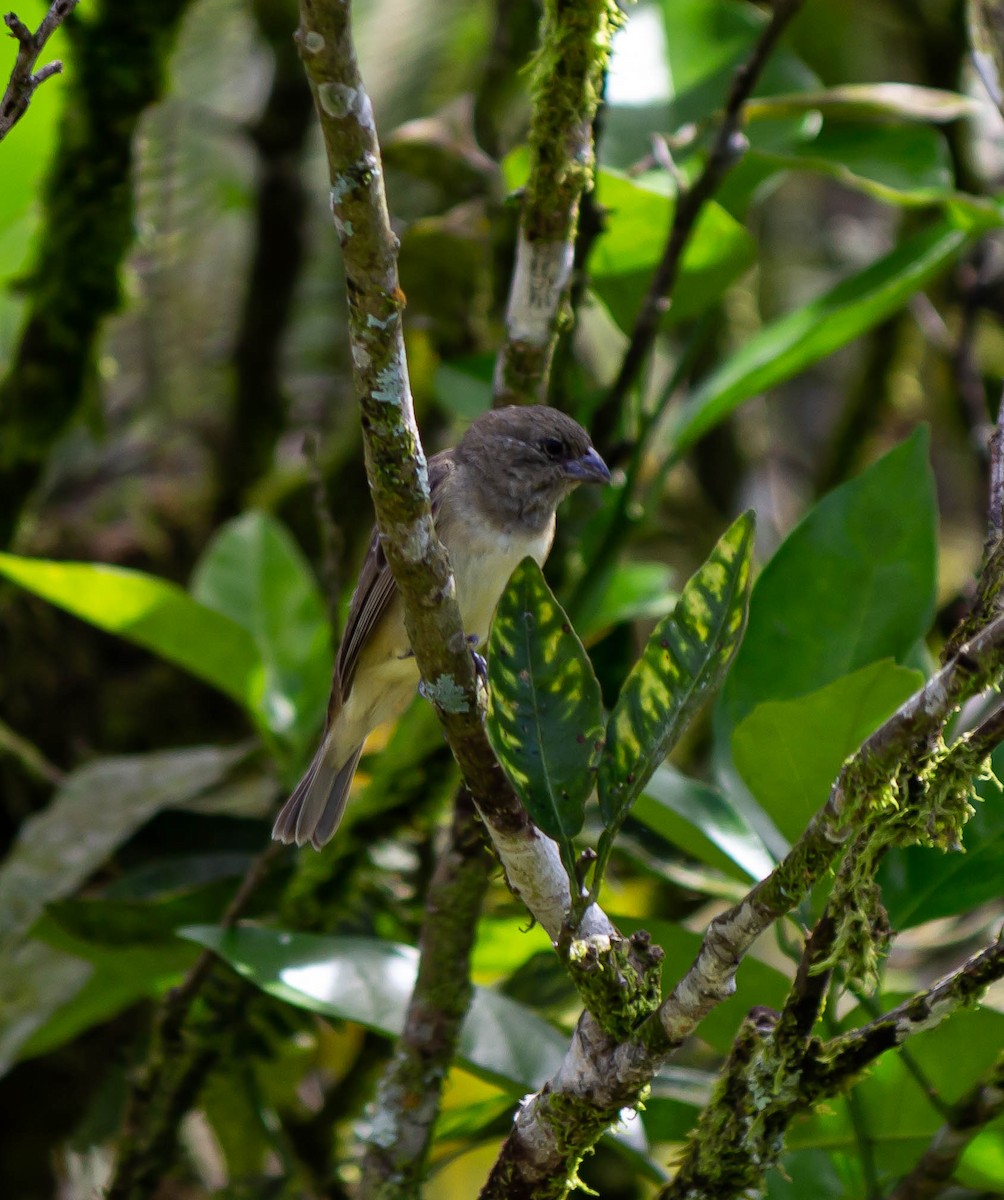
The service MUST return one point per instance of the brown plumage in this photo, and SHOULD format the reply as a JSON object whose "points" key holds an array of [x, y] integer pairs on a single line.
{"points": [[494, 497]]}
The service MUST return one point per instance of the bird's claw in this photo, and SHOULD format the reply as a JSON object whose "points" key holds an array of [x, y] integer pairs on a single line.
{"points": [[480, 667]]}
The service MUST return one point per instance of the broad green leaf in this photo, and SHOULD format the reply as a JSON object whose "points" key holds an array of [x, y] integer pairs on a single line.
{"points": [[545, 716], [700, 820], [370, 981], [98, 808], [923, 884], [896, 164], [35, 981], [633, 591], [638, 218], [683, 664], [790, 751], [706, 41], [254, 573], [118, 976], [792, 343], [892, 1105], [463, 387], [151, 612], [881, 101], [853, 583]]}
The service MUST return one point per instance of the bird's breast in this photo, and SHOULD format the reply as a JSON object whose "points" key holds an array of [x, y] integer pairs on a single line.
{"points": [[483, 557]]}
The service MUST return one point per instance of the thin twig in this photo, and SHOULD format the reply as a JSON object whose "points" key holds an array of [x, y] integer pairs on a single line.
{"points": [[23, 78], [728, 147], [29, 756], [963, 1121]]}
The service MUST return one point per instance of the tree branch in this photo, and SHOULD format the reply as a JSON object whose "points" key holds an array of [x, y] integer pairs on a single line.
{"points": [[407, 1102], [24, 79], [567, 84], [601, 1075], [727, 148], [764, 1085], [964, 1121]]}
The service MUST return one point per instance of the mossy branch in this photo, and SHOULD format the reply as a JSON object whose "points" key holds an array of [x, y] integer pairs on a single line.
{"points": [[398, 477], [964, 1120], [765, 1085], [567, 82]]}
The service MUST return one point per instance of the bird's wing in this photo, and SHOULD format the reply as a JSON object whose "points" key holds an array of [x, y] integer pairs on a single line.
{"points": [[375, 591]]}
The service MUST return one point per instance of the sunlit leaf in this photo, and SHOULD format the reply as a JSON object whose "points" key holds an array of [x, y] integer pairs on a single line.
{"points": [[638, 217], [545, 717], [793, 342], [633, 591], [853, 583], [151, 612], [93, 812], [882, 101], [790, 751], [683, 663], [906, 165], [370, 981], [255, 574], [700, 820]]}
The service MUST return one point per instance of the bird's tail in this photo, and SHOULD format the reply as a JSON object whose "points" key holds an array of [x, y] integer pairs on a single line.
{"points": [[313, 812]]}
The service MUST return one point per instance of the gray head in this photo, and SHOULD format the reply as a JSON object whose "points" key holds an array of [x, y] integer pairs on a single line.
{"points": [[525, 460]]}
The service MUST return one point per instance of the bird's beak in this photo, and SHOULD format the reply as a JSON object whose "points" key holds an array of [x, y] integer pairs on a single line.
{"points": [[590, 468]]}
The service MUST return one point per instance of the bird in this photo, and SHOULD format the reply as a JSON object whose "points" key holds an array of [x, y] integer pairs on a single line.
{"points": [[493, 497]]}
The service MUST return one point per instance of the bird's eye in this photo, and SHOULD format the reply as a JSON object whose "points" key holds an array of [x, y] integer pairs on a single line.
{"points": [[552, 447]]}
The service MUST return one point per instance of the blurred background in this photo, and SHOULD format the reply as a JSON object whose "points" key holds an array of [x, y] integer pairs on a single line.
{"points": [[176, 398]]}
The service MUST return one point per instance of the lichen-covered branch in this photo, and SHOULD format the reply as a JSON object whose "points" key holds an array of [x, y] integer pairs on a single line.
{"points": [[397, 471], [602, 1074], [407, 1102], [728, 147], [767, 1082], [567, 82], [396, 462], [24, 79], [935, 1167]]}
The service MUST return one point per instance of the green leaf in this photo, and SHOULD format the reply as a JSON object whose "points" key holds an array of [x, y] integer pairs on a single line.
{"points": [[792, 343], [545, 716], [118, 976], [896, 164], [790, 751], [370, 981], [892, 1104], [639, 215], [632, 591], [35, 981], [152, 613], [853, 583], [684, 662], [878, 101], [92, 813], [700, 820], [254, 573], [706, 40]]}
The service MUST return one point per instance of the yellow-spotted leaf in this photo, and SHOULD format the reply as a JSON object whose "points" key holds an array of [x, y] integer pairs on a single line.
{"points": [[684, 662], [545, 716]]}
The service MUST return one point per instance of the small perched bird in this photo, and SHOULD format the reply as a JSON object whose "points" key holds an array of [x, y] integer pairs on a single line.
{"points": [[494, 497]]}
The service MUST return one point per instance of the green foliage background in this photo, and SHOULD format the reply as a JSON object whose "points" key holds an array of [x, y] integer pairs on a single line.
{"points": [[829, 359]]}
